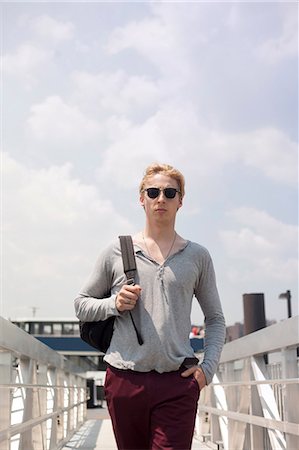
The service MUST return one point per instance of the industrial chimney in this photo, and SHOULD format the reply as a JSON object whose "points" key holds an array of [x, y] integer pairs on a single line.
{"points": [[254, 312]]}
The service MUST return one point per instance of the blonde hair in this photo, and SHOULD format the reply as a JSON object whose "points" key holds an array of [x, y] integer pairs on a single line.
{"points": [[167, 170]]}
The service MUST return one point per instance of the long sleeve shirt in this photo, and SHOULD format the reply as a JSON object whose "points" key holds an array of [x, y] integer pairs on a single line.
{"points": [[163, 311]]}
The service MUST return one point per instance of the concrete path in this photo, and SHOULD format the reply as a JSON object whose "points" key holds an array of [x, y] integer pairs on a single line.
{"points": [[97, 434]]}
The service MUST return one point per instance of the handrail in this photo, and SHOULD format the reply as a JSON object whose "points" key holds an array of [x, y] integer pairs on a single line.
{"points": [[284, 334], [249, 405], [19, 428], [286, 427], [42, 394], [256, 383], [41, 386], [15, 340]]}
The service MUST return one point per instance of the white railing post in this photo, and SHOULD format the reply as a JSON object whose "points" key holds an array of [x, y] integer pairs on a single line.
{"points": [[269, 407], [59, 394], [5, 395], [69, 400], [52, 373], [215, 425], [290, 393], [257, 432], [42, 400], [239, 403], [27, 369]]}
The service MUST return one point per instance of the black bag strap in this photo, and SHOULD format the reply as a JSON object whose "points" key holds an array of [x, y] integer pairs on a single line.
{"points": [[129, 263], [128, 256]]}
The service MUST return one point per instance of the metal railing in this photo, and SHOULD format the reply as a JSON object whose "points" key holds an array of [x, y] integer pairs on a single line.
{"points": [[252, 403], [42, 397]]}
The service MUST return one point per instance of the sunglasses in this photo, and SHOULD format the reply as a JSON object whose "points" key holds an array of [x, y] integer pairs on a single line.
{"points": [[155, 192]]}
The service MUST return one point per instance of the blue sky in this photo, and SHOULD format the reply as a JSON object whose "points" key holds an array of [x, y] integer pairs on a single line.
{"points": [[94, 92]]}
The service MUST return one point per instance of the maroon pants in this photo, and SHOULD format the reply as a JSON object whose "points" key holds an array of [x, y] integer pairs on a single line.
{"points": [[151, 410]]}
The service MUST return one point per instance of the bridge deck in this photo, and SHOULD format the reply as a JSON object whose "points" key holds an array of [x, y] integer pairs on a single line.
{"points": [[97, 434]]}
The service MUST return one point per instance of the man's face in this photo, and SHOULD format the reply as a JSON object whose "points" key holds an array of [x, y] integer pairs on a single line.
{"points": [[161, 207]]}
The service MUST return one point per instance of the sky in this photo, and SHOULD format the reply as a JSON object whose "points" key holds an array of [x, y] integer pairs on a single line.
{"points": [[94, 92]]}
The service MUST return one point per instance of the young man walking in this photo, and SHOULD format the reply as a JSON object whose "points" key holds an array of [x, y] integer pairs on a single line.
{"points": [[152, 389]]}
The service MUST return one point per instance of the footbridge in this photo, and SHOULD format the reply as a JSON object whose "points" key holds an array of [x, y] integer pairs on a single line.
{"points": [[252, 403]]}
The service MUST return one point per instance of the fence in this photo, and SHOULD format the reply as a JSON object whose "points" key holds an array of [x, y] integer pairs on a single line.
{"points": [[252, 403], [42, 397]]}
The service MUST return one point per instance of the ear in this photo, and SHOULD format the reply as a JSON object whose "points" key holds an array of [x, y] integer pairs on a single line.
{"points": [[141, 199], [180, 204]]}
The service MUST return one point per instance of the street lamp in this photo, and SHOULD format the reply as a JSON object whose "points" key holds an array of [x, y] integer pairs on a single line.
{"points": [[287, 296]]}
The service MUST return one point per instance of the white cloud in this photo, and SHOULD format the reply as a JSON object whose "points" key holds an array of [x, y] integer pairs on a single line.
{"points": [[261, 247], [270, 151], [276, 49], [148, 36], [281, 235], [132, 150], [27, 59], [53, 120], [176, 133], [114, 92], [172, 134], [47, 27], [169, 30], [51, 197], [156, 39], [54, 227]]}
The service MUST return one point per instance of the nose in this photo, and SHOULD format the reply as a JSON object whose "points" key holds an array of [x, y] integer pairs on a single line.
{"points": [[161, 193]]}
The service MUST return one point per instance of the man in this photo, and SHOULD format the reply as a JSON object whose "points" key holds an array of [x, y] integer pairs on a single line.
{"points": [[152, 389]]}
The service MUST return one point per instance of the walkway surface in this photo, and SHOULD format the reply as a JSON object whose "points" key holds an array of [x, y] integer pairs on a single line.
{"points": [[97, 434]]}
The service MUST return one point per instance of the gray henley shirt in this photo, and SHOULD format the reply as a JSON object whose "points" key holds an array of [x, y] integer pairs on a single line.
{"points": [[163, 310]]}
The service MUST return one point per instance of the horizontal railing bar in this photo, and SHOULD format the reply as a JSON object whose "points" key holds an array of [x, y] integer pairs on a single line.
{"points": [[40, 386], [28, 424], [263, 341], [285, 427], [223, 383], [20, 343], [253, 382], [23, 426]]}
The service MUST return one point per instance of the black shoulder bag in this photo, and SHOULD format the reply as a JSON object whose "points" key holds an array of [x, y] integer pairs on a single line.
{"points": [[99, 334]]}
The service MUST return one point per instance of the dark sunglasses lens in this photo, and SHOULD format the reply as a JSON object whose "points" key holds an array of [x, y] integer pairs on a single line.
{"points": [[153, 192], [170, 192]]}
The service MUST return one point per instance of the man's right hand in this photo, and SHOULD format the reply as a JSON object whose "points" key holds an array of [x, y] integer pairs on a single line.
{"points": [[127, 297]]}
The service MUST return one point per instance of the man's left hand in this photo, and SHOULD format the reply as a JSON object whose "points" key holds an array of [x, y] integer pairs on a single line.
{"points": [[198, 374]]}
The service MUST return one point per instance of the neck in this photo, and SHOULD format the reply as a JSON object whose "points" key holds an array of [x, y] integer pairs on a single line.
{"points": [[158, 233]]}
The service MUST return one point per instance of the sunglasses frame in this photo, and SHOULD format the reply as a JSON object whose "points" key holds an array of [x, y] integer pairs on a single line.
{"points": [[162, 190]]}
